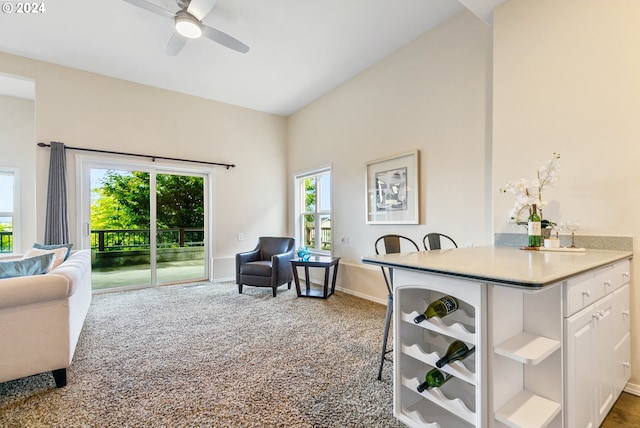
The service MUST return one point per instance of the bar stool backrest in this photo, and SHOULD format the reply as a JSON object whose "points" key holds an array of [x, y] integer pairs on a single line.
{"points": [[433, 241], [391, 244]]}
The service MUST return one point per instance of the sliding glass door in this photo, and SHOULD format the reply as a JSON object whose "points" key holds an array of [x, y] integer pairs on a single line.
{"points": [[144, 226], [180, 237], [120, 222]]}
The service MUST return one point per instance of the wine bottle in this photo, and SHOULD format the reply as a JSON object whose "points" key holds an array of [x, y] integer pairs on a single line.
{"points": [[535, 228], [438, 308], [434, 379], [458, 350]]}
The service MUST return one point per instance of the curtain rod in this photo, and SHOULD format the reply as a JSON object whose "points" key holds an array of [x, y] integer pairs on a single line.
{"points": [[153, 158]]}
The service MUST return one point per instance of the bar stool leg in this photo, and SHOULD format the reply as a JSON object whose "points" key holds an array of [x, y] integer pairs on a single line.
{"points": [[387, 323]]}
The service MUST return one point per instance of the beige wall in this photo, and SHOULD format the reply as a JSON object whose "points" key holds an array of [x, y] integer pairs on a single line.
{"points": [[18, 151], [83, 109], [433, 95], [566, 79]]}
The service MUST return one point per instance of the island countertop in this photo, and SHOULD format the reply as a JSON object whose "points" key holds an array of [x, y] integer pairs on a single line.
{"points": [[503, 265]]}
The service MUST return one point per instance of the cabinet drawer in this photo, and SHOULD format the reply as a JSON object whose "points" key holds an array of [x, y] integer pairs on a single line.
{"points": [[621, 273], [582, 291], [587, 288], [612, 277]]}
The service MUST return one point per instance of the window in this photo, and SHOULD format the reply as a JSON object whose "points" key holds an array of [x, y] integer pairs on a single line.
{"points": [[8, 184], [314, 210]]}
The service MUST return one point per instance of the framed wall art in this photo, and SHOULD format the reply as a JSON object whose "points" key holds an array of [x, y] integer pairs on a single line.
{"points": [[392, 190]]}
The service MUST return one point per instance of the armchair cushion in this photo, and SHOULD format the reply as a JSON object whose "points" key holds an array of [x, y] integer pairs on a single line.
{"points": [[259, 268]]}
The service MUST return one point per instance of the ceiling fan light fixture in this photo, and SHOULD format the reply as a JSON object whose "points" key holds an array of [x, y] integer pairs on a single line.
{"points": [[188, 26]]}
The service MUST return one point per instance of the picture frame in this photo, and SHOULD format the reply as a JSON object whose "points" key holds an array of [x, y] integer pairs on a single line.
{"points": [[392, 189]]}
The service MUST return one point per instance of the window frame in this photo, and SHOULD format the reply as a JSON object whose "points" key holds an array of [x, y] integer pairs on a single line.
{"points": [[319, 213], [15, 214]]}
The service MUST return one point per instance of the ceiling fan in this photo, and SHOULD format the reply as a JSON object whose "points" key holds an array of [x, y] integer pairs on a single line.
{"points": [[188, 24]]}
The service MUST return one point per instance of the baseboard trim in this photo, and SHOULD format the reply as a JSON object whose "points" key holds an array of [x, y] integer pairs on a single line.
{"points": [[362, 295], [632, 389], [218, 280]]}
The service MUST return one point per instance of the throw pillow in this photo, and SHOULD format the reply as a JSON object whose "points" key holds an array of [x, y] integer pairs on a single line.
{"points": [[53, 247], [59, 255], [24, 267]]}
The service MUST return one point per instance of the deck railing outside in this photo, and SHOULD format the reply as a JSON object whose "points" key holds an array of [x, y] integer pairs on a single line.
{"points": [[129, 239], [325, 236], [138, 239]]}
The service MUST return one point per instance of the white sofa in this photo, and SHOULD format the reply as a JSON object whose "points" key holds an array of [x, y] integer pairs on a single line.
{"points": [[41, 317]]}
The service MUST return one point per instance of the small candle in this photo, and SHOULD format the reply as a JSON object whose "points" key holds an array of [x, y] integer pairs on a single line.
{"points": [[552, 243]]}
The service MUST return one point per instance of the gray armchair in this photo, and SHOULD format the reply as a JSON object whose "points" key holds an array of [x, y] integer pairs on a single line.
{"points": [[267, 265]]}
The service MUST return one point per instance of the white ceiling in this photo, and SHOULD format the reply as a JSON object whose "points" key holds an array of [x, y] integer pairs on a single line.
{"points": [[299, 49]]}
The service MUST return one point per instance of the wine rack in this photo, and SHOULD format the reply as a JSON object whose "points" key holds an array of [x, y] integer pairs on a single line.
{"points": [[461, 400]]}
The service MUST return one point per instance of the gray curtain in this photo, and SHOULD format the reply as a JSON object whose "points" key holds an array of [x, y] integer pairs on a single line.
{"points": [[56, 227]]}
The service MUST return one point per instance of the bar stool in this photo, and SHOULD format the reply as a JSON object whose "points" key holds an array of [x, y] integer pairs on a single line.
{"points": [[390, 244], [434, 241]]}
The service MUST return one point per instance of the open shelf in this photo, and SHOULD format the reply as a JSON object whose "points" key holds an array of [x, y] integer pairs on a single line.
{"points": [[528, 410], [527, 348]]}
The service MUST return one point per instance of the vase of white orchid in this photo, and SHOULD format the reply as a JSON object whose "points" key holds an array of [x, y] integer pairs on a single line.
{"points": [[529, 194]]}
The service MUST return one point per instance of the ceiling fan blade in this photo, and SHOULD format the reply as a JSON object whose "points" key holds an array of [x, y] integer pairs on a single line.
{"points": [[201, 8], [152, 7], [176, 43], [224, 39]]}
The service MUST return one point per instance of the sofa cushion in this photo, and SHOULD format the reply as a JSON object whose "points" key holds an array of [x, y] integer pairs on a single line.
{"points": [[59, 256], [24, 267], [53, 247]]}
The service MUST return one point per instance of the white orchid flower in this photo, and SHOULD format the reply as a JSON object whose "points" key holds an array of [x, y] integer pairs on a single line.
{"points": [[529, 192]]}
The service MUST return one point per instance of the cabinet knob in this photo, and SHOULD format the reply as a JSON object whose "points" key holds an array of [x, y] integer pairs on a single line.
{"points": [[625, 313], [607, 283], [625, 274], [626, 364], [586, 293]]}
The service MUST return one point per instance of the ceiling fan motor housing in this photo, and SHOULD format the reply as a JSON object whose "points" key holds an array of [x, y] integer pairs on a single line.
{"points": [[187, 25]]}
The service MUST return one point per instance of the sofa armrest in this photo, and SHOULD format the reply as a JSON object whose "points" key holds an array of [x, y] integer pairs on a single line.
{"points": [[26, 290], [75, 269]]}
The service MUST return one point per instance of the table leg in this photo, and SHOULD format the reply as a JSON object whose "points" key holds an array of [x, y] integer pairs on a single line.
{"points": [[326, 281], [335, 275], [296, 279], [306, 277]]}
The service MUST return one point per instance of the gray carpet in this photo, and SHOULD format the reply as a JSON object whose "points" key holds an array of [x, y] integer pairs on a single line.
{"points": [[206, 356]]}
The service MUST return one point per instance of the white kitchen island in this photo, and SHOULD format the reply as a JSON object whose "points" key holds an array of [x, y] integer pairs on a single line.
{"points": [[550, 330]]}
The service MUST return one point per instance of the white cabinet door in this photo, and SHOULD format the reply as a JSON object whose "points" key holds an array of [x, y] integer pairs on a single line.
{"points": [[604, 369], [622, 339], [621, 314], [579, 363]]}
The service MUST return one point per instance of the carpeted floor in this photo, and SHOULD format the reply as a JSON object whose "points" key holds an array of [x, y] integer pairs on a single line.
{"points": [[206, 356]]}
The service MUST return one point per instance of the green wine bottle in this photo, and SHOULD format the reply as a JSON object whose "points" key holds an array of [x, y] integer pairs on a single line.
{"points": [[434, 379], [458, 350], [535, 228], [438, 308]]}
